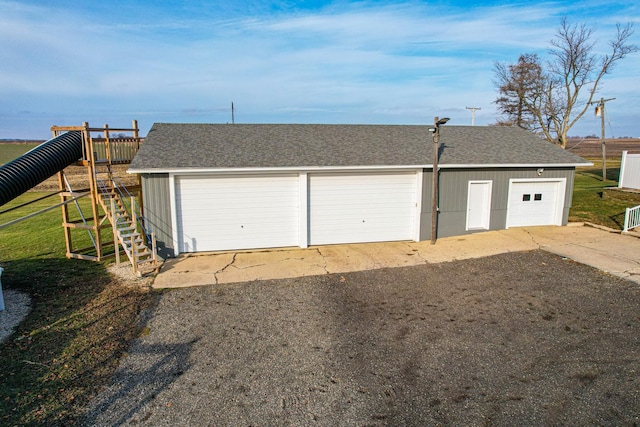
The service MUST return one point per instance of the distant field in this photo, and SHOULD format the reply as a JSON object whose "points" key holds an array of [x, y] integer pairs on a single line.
{"points": [[592, 148], [12, 150]]}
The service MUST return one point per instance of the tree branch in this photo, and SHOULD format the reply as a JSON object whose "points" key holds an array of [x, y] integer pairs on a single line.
{"points": [[553, 98]]}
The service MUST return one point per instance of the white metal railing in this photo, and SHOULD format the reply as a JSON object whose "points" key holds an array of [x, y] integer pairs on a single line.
{"points": [[129, 202], [631, 218], [125, 226]]}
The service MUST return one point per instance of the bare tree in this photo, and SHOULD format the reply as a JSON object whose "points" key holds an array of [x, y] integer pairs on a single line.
{"points": [[515, 82], [564, 87]]}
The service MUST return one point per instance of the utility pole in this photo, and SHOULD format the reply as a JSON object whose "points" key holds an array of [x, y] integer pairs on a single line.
{"points": [[600, 112], [473, 114]]}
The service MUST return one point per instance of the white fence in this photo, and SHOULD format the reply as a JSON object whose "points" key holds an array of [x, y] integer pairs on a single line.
{"points": [[631, 218], [629, 171]]}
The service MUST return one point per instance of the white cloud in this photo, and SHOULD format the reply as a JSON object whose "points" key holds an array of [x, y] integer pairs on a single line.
{"points": [[348, 62]]}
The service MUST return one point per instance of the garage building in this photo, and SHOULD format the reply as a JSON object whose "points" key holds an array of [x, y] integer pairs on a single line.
{"points": [[216, 187]]}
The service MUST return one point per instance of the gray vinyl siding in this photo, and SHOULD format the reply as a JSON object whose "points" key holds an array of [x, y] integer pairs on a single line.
{"points": [[453, 188], [425, 213], [157, 211]]}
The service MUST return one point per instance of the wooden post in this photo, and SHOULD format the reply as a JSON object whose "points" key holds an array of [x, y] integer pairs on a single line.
{"points": [[107, 148], [85, 141], [94, 192], [143, 226], [114, 227], [65, 213], [603, 142], [134, 216], [153, 247], [134, 257], [136, 136], [134, 224], [65, 209]]}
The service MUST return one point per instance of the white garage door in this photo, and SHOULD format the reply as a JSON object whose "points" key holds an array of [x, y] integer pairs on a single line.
{"points": [[220, 213], [535, 202], [363, 207]]}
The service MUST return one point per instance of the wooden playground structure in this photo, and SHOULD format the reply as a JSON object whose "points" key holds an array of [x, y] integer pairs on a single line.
{"points": [[114, 203]]}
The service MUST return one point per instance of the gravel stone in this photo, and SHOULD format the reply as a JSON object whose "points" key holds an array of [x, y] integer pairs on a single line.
{"points": [[16, 307], [523, 338]]}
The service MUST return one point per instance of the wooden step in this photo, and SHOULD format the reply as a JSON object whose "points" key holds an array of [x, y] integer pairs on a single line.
{"points": [[145, 258], [139, 244], [127, 237], [146, 261], [141, 248], [117, 203], [128, 233]]}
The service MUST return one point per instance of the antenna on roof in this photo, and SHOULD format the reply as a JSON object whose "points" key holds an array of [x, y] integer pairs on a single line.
{"points": [[233, 119]]}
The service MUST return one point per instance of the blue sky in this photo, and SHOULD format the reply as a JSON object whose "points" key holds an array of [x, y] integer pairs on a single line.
{"points": [[64, 62]]}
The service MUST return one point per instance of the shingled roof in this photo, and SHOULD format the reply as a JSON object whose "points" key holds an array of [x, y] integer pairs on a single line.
{"points": [[175, 147]]}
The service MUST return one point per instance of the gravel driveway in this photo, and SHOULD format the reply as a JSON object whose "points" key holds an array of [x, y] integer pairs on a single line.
{"points": [[514, 339]]}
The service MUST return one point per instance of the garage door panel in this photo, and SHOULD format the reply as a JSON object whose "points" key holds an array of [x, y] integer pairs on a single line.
{"points": [[350, 208], [351, 197], [263, 212], [535, 203], [349, 212], [220, 213]]}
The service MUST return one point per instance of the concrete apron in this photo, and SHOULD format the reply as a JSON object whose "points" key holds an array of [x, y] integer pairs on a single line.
{"points": [[601, 248], [610, 252]]}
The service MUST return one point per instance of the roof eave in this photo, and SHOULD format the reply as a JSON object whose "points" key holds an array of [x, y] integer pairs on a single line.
{"points": [[513, 165], [347, 168], [274, 169]]}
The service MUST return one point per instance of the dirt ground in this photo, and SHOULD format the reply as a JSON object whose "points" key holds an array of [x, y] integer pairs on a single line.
{"points": [[522, 338]]}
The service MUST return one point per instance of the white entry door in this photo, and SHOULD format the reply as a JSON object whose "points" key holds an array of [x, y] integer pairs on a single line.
{"points": [[479, 205]]}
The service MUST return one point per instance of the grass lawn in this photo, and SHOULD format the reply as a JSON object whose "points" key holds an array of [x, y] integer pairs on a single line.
{"points": [[10, 151], [592, 202], [81, 322]]}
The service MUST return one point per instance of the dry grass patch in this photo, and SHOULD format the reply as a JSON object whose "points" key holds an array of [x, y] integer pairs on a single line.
{"points": [[81, 323]]}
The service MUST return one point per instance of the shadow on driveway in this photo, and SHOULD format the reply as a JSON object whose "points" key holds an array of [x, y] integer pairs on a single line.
{"points": [[150, 370]]}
